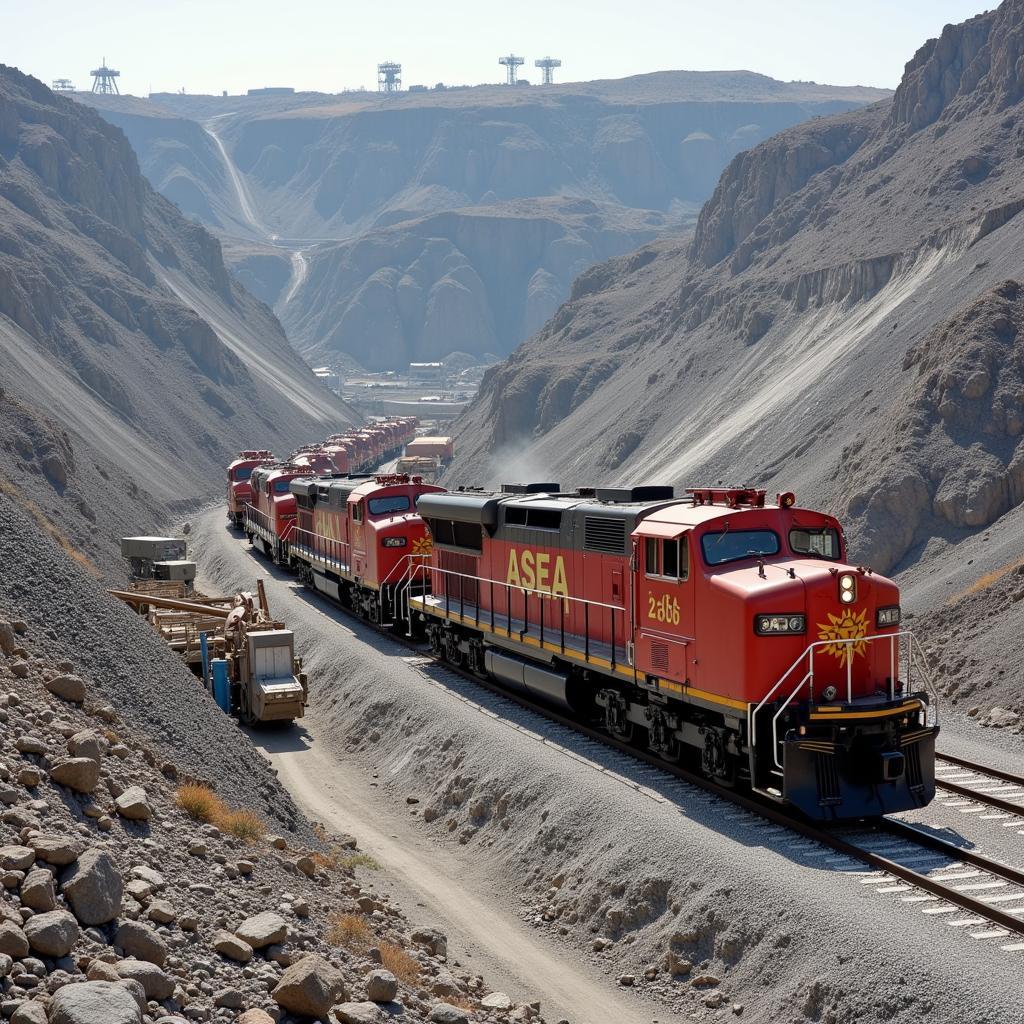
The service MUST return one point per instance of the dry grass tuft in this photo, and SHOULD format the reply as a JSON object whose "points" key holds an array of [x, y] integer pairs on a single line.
{"points": [[199, 802], [241, 823], [404, 967], [350, 931], [338, 858], [987, 580]]}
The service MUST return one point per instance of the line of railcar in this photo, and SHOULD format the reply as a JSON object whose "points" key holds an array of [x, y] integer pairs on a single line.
{"points": [[715, 627]]}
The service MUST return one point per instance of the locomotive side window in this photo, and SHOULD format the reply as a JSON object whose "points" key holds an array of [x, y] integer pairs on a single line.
{"points": [[820, 542], [733, 545], [357, 513], [668, 559]]}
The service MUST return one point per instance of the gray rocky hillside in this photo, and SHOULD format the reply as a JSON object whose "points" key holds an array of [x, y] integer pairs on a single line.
{"points": [[452, 220], [132, 365], [844, 323], [130, 894]]}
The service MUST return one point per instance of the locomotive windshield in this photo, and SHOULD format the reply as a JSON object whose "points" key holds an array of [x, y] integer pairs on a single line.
{"points": [[281, 487], [820, 542], [384, 506], [732, 545], [243, 473]]}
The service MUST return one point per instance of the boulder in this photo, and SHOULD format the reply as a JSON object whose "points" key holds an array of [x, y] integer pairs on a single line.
{"points": [[142, 942], [100, 970], [230, 998], [310, 986], [1001, 718], [37, 891], [6, 963], [155, 982], [94, 1002], [30, 745], [8, 641], [94, 888], [12, 940], [29, 1013], [433, 940], [134, 805], [496, 1001], [381, 986], [359, 1013], [255, 1016], [87, 743], [56, 849], [16, 858], [263, 930], [232, 947], [161, 911], [53, 933], [78, 773], [445, 1013], [68, 687]]}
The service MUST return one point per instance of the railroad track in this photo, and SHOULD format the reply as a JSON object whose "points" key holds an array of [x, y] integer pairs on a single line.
{"points": [[979, 786], [918, 867]]}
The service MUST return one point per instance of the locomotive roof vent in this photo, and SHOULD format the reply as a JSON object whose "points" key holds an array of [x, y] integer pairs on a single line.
{"points": [[650, 492], [530, 488]]}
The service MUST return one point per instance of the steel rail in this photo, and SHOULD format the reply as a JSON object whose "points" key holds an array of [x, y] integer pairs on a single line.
{"points": [[982, 769], [834, 840], [991, 799]]}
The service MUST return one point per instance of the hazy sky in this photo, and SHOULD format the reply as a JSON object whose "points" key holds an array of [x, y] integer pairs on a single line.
{"points": [[328, 45]]}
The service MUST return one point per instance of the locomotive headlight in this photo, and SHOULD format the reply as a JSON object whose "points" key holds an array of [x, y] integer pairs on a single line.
{"points": [[888, 616], [847, 588], [394, 542], [779, 625]]}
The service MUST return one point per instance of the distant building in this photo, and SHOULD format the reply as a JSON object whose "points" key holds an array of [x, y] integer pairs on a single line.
{"points": [[417, 88], [273, 90], [330, 380], [426, 371]]}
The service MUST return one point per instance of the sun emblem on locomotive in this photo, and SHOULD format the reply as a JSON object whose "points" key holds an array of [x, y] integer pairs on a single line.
{"points": [[422, 546], [848, 626]]}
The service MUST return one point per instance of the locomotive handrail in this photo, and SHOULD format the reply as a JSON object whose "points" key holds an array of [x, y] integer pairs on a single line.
{"points": [[526, 592], [913, 645], [341, 547]]}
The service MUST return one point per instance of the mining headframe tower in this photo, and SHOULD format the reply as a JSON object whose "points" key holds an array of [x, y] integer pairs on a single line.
{"points": [[512, 64], [104, 80], [389, 77], [547, 66]]}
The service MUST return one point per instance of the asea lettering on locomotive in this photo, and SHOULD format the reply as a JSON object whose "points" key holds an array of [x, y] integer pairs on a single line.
{"points": [[535, 570]]}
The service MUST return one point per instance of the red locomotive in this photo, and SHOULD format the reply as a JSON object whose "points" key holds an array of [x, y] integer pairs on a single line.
{"points": [[716, 626], [239, 489], [358, 539], [270, 514]]}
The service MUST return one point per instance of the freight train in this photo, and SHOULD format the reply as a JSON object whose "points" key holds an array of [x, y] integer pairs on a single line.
{"points": [[718, 628]]}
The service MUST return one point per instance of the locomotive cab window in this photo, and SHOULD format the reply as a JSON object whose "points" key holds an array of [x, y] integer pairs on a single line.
{"points": [[668, 559], [819, 542], [734, 545], [389, 505], [243, 472], [281, 487], [357, 512]]}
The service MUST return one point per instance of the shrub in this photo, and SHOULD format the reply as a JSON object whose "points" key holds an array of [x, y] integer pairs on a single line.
{"points": [[338, 858], [199, 802], [349, 931], [240, 823], [404, 967]]}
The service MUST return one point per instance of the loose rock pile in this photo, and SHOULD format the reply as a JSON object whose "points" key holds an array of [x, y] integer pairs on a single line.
{"points": [[118, 907]]}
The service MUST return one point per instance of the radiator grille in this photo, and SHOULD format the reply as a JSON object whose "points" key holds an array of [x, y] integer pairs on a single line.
{"points": [[604, 534], [659, 656]]}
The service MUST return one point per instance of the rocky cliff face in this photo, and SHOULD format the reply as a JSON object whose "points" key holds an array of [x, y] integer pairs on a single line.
{"points": [[560, 179], [129, 353], [473, 281], [844, 321]]}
